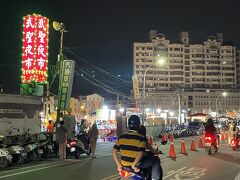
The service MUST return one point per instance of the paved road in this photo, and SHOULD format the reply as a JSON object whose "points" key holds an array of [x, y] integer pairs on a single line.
{"points": [[225, 165]]}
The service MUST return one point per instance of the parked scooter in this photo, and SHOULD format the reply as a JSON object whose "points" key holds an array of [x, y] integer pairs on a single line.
{"points": [[45, 146], [17, 151], [5, 157], [79, 145], [31, 148]]}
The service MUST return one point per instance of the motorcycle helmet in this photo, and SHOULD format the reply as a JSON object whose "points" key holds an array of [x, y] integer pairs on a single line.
{"points": [[134, 122]]}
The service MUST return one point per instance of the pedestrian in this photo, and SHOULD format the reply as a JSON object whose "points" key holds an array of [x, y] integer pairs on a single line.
{"points": [[83, 127], [93, 135], [50, 130], [61, 138]]}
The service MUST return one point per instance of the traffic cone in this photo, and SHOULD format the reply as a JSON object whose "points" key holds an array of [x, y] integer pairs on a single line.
{"points": [[218, 141], [183, 148], [150, 140], [222, 137], [172, 153], [166, 137], [163, 138], [171, 138], [193, 145], [226, 136], [200, 145]]}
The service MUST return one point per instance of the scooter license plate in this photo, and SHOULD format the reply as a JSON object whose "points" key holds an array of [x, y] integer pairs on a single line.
{"points": [[207, 144], [72, 149], [40, 151], [24, 154]]}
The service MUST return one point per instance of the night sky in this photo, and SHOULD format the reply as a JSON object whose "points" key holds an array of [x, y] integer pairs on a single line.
{"points": [[102, 32]]}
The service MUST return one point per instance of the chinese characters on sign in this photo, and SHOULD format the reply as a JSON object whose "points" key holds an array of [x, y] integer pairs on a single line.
{"points": [[35, 49], [66, 79]]}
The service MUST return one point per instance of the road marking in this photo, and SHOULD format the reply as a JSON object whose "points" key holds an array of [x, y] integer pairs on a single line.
{"points": [[66, 162], [191, 173], [237, 177], [32, 170], [110, 177], [173, 172]]}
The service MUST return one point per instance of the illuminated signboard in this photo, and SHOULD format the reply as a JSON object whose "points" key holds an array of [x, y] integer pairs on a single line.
{"points": [[66, 80], [35, 49]]}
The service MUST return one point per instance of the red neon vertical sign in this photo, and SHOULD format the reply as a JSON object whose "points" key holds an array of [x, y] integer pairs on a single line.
{"points": [[35, 49], [28, 49], [41, 49]]}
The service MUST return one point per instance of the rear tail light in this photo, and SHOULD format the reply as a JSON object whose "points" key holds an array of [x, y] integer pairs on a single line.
{"points": [[125, 174], [208, 138], [73, 143]]}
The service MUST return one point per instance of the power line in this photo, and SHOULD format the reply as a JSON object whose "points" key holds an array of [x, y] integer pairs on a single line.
{"points": [[101, 84], [103, 71], [98, 85]]}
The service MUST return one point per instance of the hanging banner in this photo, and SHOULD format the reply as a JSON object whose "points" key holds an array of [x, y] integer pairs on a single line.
{"points": [[35, 49], [66, 81]]}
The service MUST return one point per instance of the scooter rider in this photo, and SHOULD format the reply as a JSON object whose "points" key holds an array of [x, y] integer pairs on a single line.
{"points": [[132, 147], [210, 130], [149, 160]]}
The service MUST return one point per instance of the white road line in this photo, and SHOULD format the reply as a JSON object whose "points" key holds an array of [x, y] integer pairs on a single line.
{"points": [[112, 176], [174, 172], [30, 166], [32, 170], [66, 162], [237, 177]]}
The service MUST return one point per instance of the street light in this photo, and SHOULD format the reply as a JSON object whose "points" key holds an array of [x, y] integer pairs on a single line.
{"points": [[161, 61], [59, 27], [158, 110], [122, 110], [224, 94]]}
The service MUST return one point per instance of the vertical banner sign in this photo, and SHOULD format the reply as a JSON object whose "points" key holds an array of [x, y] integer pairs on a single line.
{"points": [[66, 79], [41, 50], [35, 49], [28, 49]]}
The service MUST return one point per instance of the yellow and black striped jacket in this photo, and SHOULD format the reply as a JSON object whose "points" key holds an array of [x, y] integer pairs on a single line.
{"points": [[129, 144]]}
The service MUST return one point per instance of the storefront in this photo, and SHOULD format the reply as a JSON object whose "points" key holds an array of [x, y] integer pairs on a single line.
{"points": [[106, 121]]}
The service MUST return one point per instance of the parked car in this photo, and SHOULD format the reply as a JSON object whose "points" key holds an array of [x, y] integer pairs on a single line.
{"points": [[195, 125]]}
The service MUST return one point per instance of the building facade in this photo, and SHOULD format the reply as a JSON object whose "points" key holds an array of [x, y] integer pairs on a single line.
{"points": [[211, 66]]}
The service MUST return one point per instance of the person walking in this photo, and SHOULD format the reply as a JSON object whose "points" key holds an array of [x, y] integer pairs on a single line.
{"points": [[93, 135], [50, 130], [61, 138]]}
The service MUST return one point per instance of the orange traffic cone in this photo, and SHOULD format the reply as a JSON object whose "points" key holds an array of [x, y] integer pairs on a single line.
{"points": [[226, 136], [150, 140], [193, 145], [200, 145], [171, 138], [172, 153], [222, 137], [163, 138], [183, 148]]}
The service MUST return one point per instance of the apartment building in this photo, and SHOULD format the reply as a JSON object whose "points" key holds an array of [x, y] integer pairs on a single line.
{"points": [[238, 69], [210, 66]]}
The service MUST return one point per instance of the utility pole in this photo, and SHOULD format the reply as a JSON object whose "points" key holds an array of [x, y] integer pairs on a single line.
{"points": [[61, 28]]}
